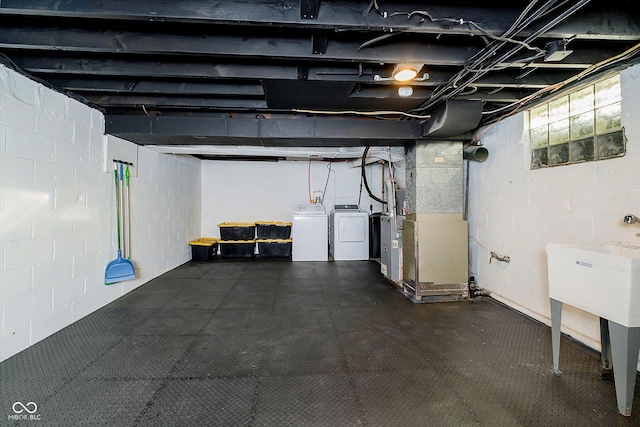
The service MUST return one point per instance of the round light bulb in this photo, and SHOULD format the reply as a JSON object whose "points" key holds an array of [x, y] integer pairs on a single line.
{"points": [[405, 74]]}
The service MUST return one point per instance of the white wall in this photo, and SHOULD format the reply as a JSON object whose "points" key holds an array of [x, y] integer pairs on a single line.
{"points": [[57, 224], [245, 191], [515, 211]]}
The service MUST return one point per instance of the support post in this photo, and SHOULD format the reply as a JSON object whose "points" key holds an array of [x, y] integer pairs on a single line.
{"points": [[625, 345], [556, 317], [605, 344]]}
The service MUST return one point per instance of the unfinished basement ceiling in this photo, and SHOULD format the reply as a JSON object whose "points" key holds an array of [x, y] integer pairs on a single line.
{"points": [[314, 73]]}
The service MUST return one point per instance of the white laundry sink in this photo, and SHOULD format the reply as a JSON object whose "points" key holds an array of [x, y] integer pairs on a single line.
{"points": [[603, 279]]}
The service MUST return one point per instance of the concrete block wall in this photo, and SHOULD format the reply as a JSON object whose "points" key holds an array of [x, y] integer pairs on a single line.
{"points": [[57, 223], [516, 211], [245, 191]]}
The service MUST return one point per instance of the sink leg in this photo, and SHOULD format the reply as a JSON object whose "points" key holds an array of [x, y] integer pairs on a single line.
{"points": [[556, 317], [625, 345], [605, 344]]}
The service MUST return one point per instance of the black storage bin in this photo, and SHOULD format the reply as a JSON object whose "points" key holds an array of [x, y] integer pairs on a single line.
{"points": [[274, 248], [237, 248], [273, 230], [204, 249], [237, 230]]}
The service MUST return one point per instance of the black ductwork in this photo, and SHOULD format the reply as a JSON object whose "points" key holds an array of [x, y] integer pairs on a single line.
{"points": [[452, 118], [476, 153]]}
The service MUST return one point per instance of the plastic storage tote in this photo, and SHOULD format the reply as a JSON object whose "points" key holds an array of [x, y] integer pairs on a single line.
{"points": [[280, 248], [204, 248], [237, 248], [237, 230], [273, 230]]}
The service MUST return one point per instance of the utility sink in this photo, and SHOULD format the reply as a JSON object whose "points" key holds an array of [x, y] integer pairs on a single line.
{"points": [[603, 279]]}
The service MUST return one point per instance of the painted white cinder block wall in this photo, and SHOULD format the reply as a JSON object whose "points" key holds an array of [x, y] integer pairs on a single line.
{"points": [[57, 215], [245, 191], [516, 211]]}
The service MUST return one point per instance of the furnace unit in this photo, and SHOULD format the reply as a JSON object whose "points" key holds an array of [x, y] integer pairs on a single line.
{"points": [[435, 256], [391, 248]]}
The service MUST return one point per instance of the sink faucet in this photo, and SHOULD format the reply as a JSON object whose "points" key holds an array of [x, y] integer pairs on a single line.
{"points": [[631, 219]]}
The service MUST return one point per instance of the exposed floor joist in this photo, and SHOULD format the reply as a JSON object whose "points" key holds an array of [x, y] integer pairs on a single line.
{"points": [[324, 58]]}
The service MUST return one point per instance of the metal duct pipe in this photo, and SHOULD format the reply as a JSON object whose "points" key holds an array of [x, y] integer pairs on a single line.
{"points": [[476, 153], [453, 117]]}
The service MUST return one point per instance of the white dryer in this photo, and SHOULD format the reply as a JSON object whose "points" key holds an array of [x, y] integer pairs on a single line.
{"points": [[309, 233], [348, 233]]}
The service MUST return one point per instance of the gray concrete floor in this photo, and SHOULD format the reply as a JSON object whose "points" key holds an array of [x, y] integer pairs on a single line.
{"points": [[276, 343]]}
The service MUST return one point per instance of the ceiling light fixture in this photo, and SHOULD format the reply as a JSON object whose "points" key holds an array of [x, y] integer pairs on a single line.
{"points": [[406, 71], [405, 91]]}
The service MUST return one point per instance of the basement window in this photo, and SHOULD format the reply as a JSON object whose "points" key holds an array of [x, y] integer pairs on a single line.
{"points": [[580, 127]]}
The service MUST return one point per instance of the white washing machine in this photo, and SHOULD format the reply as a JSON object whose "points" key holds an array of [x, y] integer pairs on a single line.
{"points": [[348, 233], [309, 232]]}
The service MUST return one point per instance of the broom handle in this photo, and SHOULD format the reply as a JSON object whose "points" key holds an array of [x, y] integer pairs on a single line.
{"points": [[127, 210], [115, 174], [122, 219]]}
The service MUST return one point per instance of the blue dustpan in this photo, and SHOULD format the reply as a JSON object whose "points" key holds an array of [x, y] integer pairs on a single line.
{"points": [[118, 270]]}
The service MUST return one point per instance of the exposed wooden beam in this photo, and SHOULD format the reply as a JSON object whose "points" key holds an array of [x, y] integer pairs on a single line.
{"points": [[615, 21], [102, 41], [303, 131], [131, 86], [150, 101], [98, 73], [129, 67]]}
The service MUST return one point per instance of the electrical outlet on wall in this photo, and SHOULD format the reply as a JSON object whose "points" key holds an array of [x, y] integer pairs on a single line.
{"points": [[318, 189]]}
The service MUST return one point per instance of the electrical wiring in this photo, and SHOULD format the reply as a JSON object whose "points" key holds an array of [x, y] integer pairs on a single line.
{"points": [[472, 90], [621, 56], [309, 180], [526, 60], [487, 59], [377, 39], [519, 104], [521, 23], [493, 254], [476, 67], [462, 21], [364, 113], [327, 181], [360, 192], [504, 107], [453, 87], [374, 5]]}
